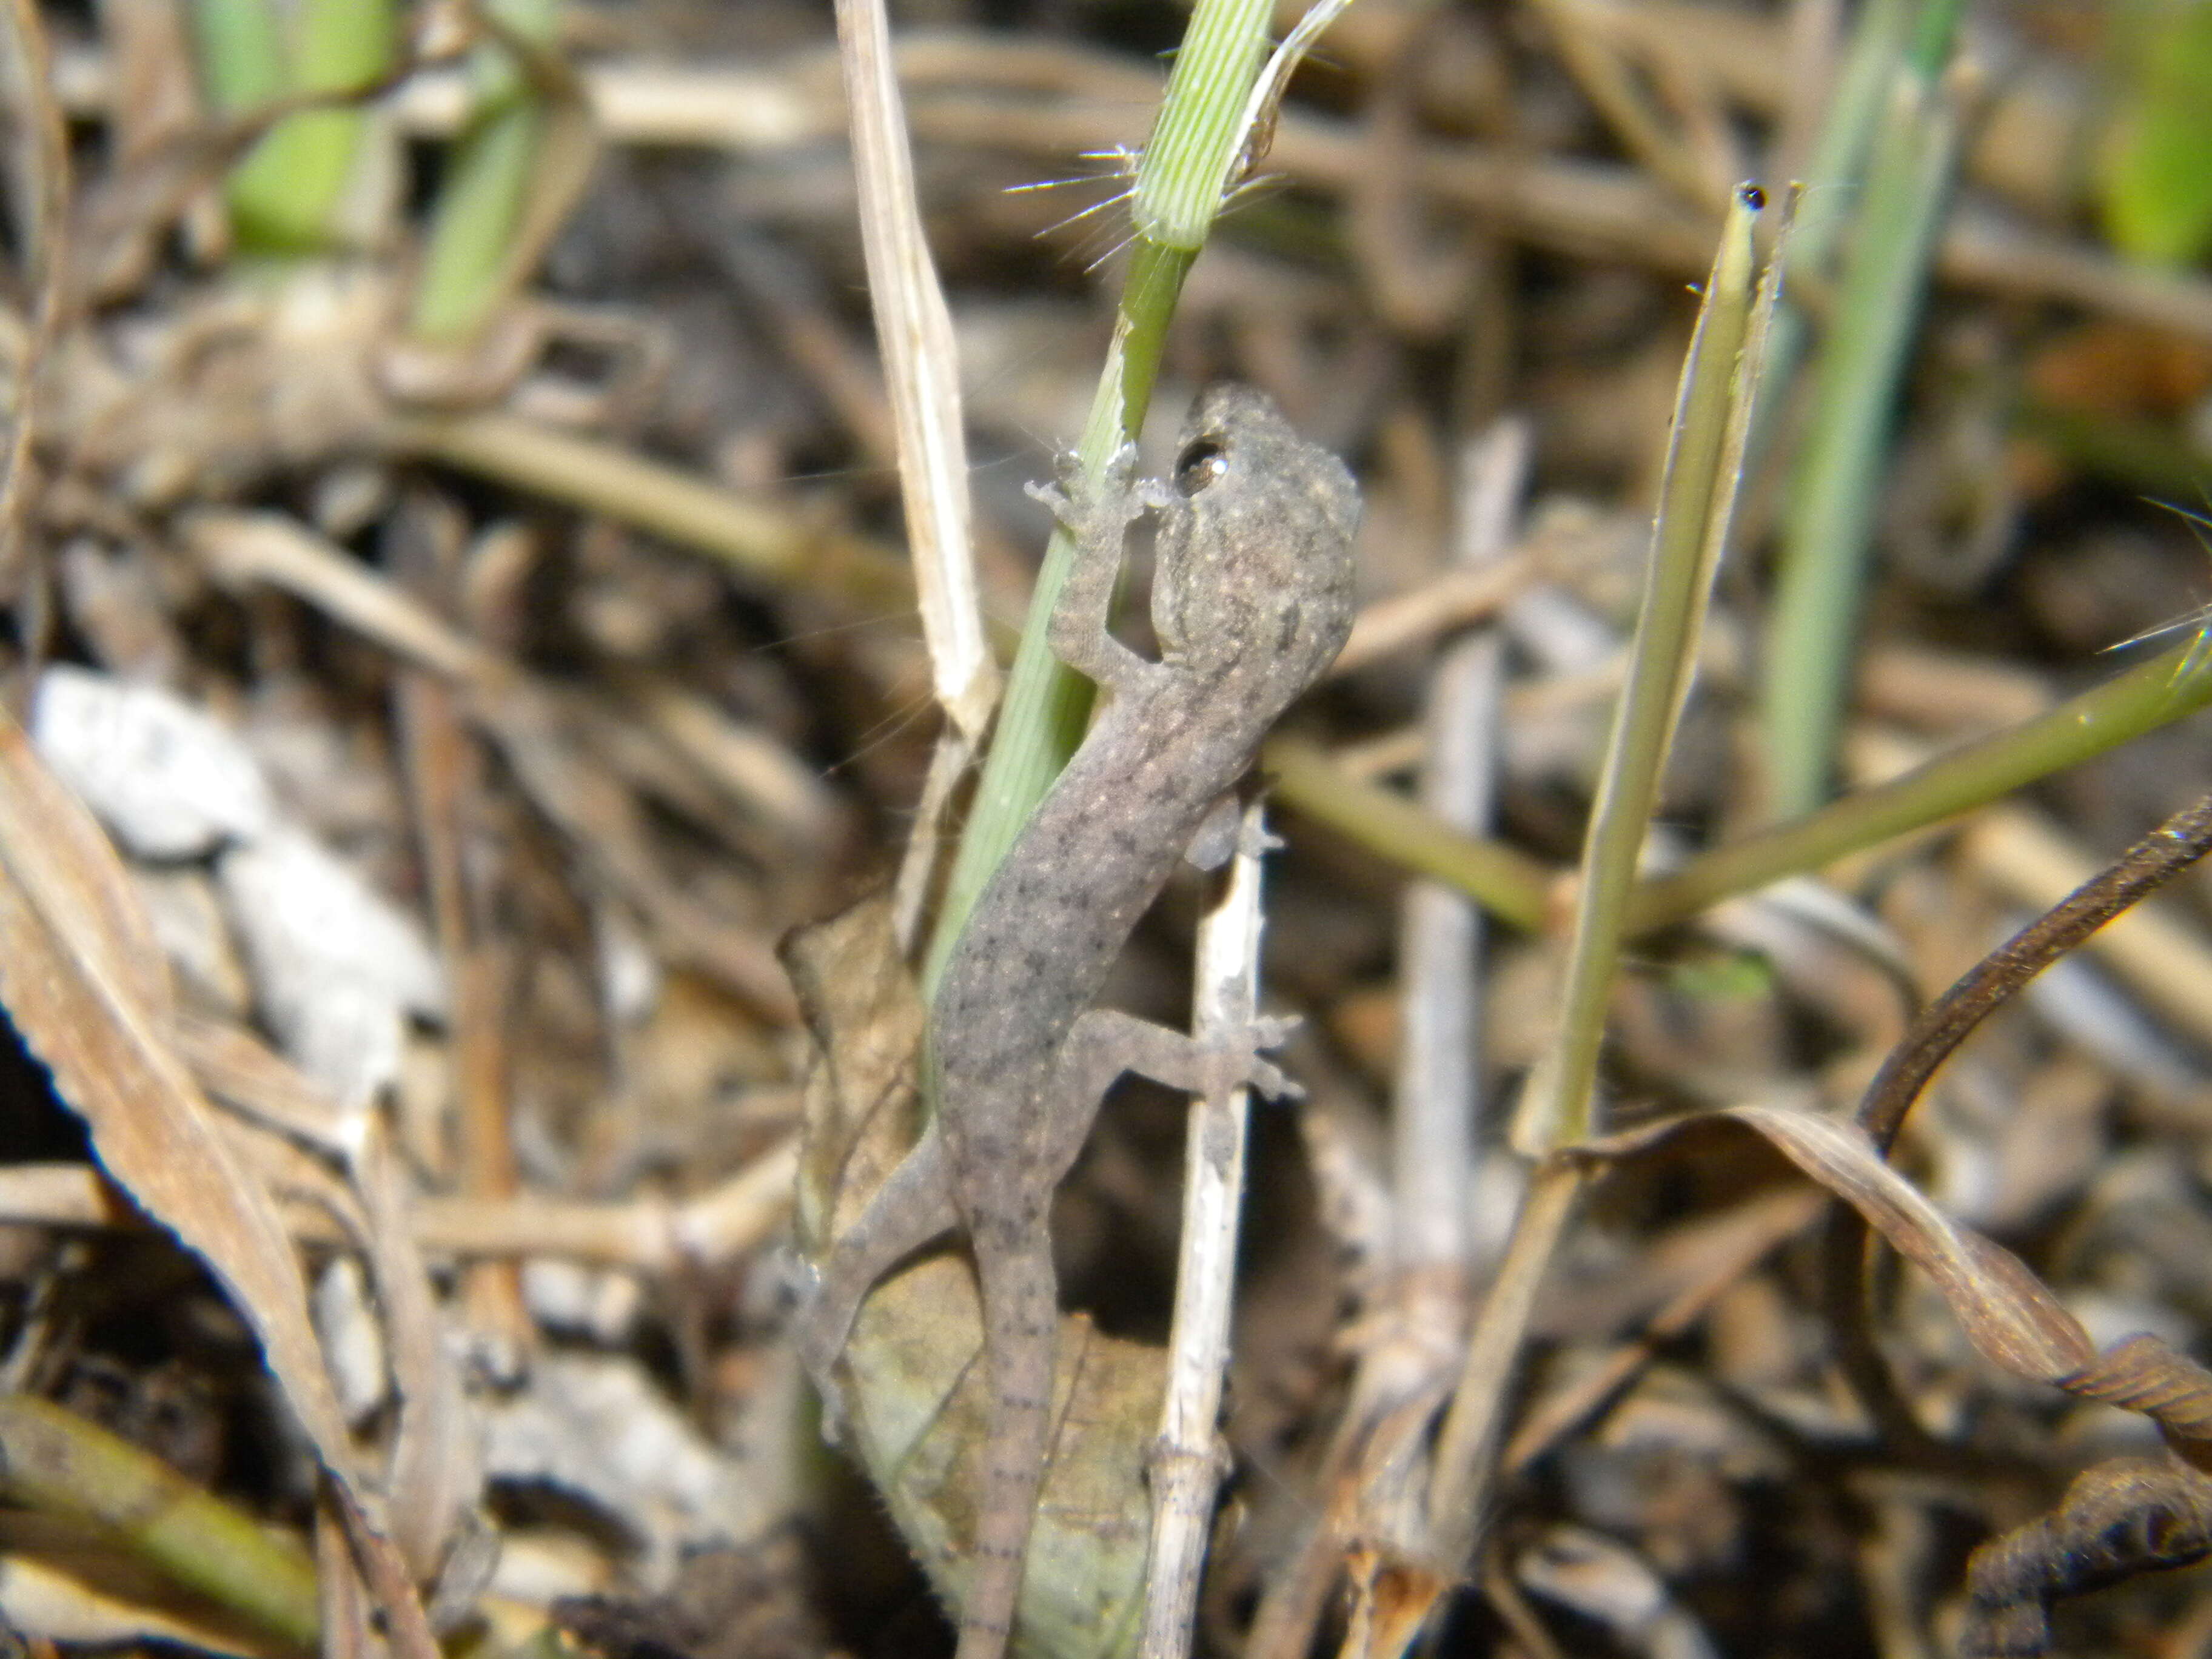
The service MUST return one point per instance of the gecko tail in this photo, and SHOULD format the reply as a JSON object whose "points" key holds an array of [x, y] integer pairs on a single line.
{"points": [[1021, 1307]]}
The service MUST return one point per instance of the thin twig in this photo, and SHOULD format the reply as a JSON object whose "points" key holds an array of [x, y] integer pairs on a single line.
{"points": [[1187, 1462]]}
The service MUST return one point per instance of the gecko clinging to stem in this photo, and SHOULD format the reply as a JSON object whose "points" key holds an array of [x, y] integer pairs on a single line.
{"points": [[1252, 597]]}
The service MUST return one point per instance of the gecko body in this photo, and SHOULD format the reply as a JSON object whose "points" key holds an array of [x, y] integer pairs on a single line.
{"points": [[1252, 597]]}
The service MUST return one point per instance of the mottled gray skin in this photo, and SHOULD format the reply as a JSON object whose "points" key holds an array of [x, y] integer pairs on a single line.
{"points": [[1252, 597]]}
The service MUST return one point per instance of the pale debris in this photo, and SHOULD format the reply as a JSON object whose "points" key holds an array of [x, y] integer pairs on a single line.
{"points": [[194, 934], [335, 968], [168, 781], [594, 1429], [352, 1339]]}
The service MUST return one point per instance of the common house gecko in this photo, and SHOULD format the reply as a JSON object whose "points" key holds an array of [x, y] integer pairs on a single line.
{"points": [[1252, 597]]}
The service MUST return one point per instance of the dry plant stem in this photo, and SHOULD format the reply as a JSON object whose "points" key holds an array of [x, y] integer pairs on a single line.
{"points": [[441, 775], [342, 1598], [914, 331], [1376, 1471], [781, 287], [1376, 1459], [2163, 959], [921, 374], [1189, 1460], [1609, 212], [1510, 1603], [1079, 100], [598, 816], [1600, 69], [430, 1479], [1466, 1445], [757, 541], [645, 1236], [1451, 600], [1738, 1243], [2164, 854], [1437, 1100]]}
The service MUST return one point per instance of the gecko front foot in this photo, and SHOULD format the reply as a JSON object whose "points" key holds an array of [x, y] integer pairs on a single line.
{"points": [[1101, 510]]}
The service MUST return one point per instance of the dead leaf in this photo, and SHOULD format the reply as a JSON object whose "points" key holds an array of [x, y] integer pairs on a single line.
{"points": [[84, 983], [2116, 1521], [912, 1391]]}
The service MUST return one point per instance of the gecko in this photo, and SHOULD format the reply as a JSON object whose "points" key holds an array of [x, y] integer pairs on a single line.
{"points": [[1252, 597]]}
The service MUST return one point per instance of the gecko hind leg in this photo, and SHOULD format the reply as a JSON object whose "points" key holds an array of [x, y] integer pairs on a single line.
{"points": [[1106, 1042], [912, 1205]]}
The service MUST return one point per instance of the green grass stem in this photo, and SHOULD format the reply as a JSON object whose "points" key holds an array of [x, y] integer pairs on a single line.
{"points": [[1392, 825], [286, 196], [492, 171], [1177, 193], [2175, 683], [54, 1460], [1697, 497], [1834, 172]]}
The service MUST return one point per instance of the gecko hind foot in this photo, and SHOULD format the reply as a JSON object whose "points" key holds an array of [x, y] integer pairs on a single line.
{"points": [[1237, 1063]]}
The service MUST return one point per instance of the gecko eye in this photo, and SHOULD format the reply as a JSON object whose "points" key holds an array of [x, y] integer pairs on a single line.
{"points": [[1199, 465]]}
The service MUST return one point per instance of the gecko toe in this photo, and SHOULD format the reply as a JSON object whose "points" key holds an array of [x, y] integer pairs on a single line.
{"points": [[1061, 503]]}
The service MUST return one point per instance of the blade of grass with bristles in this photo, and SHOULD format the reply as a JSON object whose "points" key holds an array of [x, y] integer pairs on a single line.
{"points": [[1206, 121]]}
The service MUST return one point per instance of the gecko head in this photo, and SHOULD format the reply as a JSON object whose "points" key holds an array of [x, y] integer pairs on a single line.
{"points": [[1262, 541], [1236, 429]]}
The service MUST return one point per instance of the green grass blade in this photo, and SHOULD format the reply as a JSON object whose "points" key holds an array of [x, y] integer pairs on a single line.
{"points": [[1178, 191], [286, 196], [1705, 456], [1828, 528]]}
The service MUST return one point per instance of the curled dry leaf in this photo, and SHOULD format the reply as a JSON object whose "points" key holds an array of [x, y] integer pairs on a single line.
{"points": [[2011, 1319], [2116, 1521], [82, 981], [910, 1390]]}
